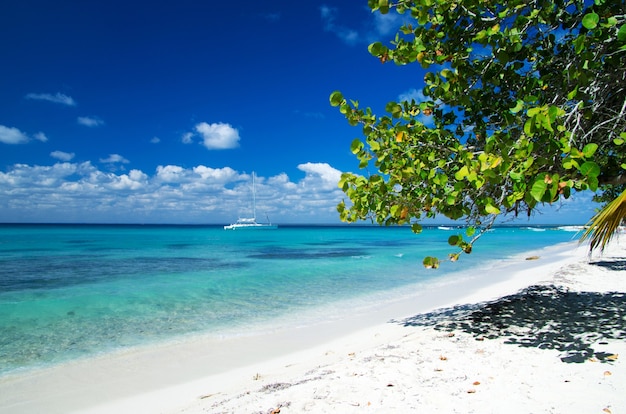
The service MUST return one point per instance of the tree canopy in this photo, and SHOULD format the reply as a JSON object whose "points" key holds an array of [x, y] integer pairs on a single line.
{"points": [[524, 103]]}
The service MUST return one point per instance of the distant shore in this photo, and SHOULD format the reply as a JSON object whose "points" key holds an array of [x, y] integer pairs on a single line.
{"points": [[492, 346]]}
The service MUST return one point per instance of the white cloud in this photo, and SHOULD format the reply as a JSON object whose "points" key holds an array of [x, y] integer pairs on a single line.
{"points": [[328, 16], [171, 173], [155, 140], [9, 135], [21, 177], [40, 136], [375, 27], [417, 95], [321, 174], [323, 170], [216, 175], [63, 156], [56, 98], [80, 192], [187, 138], [387, 24], [135, 180], [329, 20], [114, 159], [90, 121], [218, 136]]}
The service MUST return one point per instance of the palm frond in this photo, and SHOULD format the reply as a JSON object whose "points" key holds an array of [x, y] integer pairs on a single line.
{"points": [[605, 224]]}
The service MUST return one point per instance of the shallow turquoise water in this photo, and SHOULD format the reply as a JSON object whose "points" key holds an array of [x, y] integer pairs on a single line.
{"points": [[69, 291]]}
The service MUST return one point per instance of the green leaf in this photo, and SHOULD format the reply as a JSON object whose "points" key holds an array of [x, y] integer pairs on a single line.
{"points": [[590, 169], [395, 210], [545, 122], [573, 93], [589, 150], [377, 49], [569, 163], [491, 209], [590, 21], [538, 189], [518, 107], [533, 111], [431, 262], [454, 240], [374, 145], [416, 228], [610, 22], [481, 35], [336, 98], [529, 127], [462, 173], [394, 109], [383, 6], [356, 146], [528, 163], [579, 44], [621, 33], [446, 73]]}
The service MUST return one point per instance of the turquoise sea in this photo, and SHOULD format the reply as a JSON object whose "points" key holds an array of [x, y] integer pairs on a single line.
{"points": [[75, 291]]}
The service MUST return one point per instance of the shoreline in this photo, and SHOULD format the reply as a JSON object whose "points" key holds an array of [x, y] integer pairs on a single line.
{"points": [[194, 375]]}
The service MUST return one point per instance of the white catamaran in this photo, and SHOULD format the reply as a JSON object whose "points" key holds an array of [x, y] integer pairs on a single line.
{"points": [[250, 223]]}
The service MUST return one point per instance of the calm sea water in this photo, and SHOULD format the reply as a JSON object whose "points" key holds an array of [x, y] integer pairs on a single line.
{"points": [[72, 291]]}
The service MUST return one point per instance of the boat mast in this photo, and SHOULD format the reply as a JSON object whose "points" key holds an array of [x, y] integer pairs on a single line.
{"points": [[253, 198]]}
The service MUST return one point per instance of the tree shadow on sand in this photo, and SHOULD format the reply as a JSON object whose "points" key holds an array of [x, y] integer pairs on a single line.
{"points": [[545, 317]]}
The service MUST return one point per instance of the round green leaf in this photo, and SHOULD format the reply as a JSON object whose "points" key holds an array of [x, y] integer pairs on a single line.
{"points": [[589, 150], [394, 109], [431, 262], [491, 209], [383, 6], [454, 240], [590, 21], [336, 98], [416, 228], [538, 189], [377, 49], [590, 169], [356, 146]]}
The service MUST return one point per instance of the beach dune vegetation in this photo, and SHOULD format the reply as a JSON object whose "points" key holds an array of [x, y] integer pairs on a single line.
{"points": [[523, 104]]}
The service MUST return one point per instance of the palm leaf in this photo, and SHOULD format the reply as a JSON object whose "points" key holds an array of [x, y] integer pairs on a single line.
{"points": [[605, 224]]}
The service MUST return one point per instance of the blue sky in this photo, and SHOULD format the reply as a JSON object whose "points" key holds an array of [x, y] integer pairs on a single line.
{"points": [[158, 112]]}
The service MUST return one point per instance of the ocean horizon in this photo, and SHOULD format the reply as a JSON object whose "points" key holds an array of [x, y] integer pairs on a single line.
{"points": [[73, 291]]}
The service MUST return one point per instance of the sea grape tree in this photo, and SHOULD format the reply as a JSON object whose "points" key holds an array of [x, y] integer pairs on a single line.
{"points": [[525, 103]]}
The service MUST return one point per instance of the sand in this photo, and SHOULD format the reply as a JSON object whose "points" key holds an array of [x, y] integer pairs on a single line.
{"points": [[546, 335]]}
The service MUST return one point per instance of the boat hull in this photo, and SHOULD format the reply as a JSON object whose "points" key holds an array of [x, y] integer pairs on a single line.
{"points": [[251, 227]]}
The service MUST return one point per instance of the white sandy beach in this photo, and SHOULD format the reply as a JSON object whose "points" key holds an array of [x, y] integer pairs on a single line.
{"points": [[558, 347]]}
